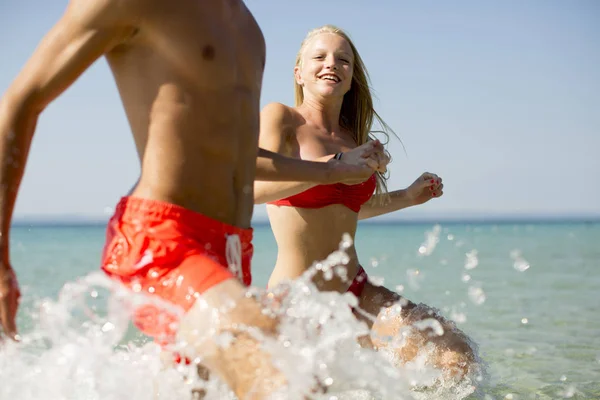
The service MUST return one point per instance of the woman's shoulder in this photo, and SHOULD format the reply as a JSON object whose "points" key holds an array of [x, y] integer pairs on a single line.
{"points": [[280, 112]]}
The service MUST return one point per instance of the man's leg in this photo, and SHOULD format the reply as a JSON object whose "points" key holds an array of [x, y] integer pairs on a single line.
{"points": [[224, 327]]}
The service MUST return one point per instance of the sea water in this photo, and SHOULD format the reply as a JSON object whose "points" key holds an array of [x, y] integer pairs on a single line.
{"points": [[527, 294]]}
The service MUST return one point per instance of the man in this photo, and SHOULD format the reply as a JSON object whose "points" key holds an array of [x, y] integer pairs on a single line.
{"points": [[189, 74]]}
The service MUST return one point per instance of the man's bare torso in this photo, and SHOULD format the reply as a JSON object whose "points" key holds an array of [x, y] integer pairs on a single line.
{"points": [[190, 78]]}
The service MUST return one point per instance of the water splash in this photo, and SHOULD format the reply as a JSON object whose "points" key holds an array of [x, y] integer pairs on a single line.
{"points": [[74, 351], [414, 277], [377, 280], [568, 392], [471, 260], [458, 317], [82, 345], [432, 324], [476, 295], [519, 263], [432, 238]]}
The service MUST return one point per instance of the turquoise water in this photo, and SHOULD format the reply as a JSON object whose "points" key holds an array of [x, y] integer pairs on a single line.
{"points": [[529, 294]]}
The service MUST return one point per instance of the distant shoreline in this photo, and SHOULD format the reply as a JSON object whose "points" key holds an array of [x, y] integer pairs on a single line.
{"points": [[70, 221]]}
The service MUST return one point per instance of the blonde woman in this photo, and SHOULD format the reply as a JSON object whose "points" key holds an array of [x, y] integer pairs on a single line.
{"points": [[333, 118]]}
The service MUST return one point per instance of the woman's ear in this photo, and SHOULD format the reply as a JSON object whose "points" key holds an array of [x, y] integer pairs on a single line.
{"points": [[297, 76]]}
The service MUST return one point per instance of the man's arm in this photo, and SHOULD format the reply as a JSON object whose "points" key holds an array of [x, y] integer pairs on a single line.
{"points": [[277, 175], [87, 30], [275, 167]]}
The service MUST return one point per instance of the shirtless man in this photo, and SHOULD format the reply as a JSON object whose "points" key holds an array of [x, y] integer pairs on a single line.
{"points": [[189, 74]]}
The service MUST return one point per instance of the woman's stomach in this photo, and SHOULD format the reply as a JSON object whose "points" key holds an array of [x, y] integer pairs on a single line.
{"points": [[315, 242]]}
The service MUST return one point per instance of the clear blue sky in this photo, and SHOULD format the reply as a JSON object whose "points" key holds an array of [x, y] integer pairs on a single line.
{"points": [[501, 99]]}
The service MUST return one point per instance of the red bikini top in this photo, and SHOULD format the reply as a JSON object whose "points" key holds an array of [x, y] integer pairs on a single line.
{"points": [[352, 196]]}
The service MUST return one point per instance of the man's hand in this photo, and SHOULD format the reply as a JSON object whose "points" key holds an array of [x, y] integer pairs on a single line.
{"points": [[357, 165], [9, 301], [426, 187], [350, 174], [372, 152]]}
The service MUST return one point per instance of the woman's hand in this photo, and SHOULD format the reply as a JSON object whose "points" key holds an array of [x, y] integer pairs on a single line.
{"points": [[426, 187]]}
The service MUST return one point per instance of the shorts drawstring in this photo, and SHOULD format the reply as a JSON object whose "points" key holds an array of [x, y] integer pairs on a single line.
{"points": [[233, 253]]}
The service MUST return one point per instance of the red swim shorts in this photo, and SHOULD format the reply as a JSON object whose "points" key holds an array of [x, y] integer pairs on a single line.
{"points": [[166, 250]]}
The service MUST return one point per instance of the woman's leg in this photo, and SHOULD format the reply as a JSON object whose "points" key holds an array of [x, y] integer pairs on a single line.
{"points": [[405, 328]]}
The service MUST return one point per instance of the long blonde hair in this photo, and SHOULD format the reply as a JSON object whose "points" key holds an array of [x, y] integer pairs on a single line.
{"points": [[357, 114]]}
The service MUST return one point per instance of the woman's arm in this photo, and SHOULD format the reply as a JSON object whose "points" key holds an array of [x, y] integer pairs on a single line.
{"points": [[426, 187], [278, 175], [396, 200]]}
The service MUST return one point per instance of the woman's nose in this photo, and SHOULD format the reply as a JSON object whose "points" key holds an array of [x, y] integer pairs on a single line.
{"points": [[330, 62]]}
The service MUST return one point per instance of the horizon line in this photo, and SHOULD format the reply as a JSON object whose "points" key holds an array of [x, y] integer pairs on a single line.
{"points": [[73, 219]]}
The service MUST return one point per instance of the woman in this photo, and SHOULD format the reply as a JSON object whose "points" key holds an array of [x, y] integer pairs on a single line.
{"points": [[332, 119]]}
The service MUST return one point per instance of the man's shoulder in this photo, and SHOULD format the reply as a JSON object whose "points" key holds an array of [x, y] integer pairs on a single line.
{"points": [[109, 11]]}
